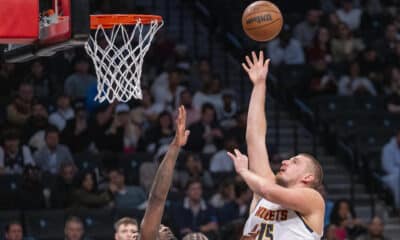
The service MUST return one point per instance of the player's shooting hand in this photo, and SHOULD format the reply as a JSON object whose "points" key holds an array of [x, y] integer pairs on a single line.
{"points": [[240, 161], [181, 134], [256, 68]]}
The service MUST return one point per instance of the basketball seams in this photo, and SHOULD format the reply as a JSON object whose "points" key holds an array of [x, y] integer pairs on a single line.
{"points": [[263, 11], [264, 25]]}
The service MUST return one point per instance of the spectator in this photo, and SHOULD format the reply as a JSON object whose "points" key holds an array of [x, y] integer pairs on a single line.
{"points": [[354, 84], [205, 135], [330, 233], [375, 230], [210, 93], [320, 58], [195, 214], [393, 99], [63, 113], [14, 231], [147, 172], [63, 186], [225, 194], [160, 134], [43, 86], [125, 196], [20, 109], [166, 90], [220, 161], [126, 229], [194, 170], [31, 193], [87, 194], [77, 85], [101, 132], [228, 109], [285, 49], [332, 22], [385, 46], [305, 30], [50, 157], [146, 113], [349, 15], [193, 114], [74, 229], [130, 132], [391, 165], [239, 130], [76, 132], [201, 74], [35, 127], [344, 47], [371, 67], [14, 156], [318, 53], [238, 207], [343, 217]]}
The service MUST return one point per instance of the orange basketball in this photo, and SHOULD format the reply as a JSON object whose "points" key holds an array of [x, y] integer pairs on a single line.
{"points": [[262, 21]]}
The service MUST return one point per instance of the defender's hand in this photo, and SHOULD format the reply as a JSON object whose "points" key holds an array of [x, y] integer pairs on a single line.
{"points": [[181, 134]]}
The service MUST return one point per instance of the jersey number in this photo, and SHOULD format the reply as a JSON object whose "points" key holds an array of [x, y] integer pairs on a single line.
{"points": [[266, 232]]}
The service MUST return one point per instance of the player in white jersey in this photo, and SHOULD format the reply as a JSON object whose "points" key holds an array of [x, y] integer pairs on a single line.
{"points": [[285, 206]]}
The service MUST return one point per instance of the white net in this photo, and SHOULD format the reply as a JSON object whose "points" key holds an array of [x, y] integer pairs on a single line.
{"points": [[117, 56]]}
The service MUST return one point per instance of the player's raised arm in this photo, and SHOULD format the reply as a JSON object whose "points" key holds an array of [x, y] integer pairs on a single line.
{"points": [[162, 181], [257, 69]]}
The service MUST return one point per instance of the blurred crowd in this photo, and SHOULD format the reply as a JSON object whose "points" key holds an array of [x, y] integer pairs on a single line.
{"points": [[49, 118], [350, 48]]}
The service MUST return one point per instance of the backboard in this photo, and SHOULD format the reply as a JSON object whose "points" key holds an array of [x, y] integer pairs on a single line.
{"points": [[36, 28]]}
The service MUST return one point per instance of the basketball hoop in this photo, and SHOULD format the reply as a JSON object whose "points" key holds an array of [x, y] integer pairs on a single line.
{"points": [[117, 49]]}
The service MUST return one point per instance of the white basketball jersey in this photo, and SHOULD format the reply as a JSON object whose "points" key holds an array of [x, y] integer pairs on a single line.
{"points": [[270, 221]]}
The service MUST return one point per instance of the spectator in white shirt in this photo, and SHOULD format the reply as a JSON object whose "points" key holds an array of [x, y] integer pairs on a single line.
{"points": [[391, 165], [210, 93], [64, 113], [13, 155], [166, 90], [349, 15], [355, 84], [286, 49]]}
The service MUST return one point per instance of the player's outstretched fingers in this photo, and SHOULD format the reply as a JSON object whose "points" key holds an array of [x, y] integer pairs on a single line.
{"points": [[255, 59]]}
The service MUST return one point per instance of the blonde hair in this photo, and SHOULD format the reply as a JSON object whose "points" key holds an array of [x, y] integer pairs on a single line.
{"points": [[125, 221], [317, 171], [195, 236]]}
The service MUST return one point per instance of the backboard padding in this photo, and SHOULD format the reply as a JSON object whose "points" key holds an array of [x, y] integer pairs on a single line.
{"points": [[19, 21]]}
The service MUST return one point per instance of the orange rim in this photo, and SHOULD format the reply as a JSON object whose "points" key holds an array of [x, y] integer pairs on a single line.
{"points": [[110, 20]]}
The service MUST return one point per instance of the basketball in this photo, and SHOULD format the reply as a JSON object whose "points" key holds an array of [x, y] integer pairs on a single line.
{"points": [[262, 21]]}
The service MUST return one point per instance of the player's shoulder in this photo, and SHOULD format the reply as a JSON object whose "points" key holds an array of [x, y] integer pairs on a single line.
{"points": [[314, 196]]}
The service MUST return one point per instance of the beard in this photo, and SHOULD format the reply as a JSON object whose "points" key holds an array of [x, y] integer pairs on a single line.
{"points": [[281, 182]]}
